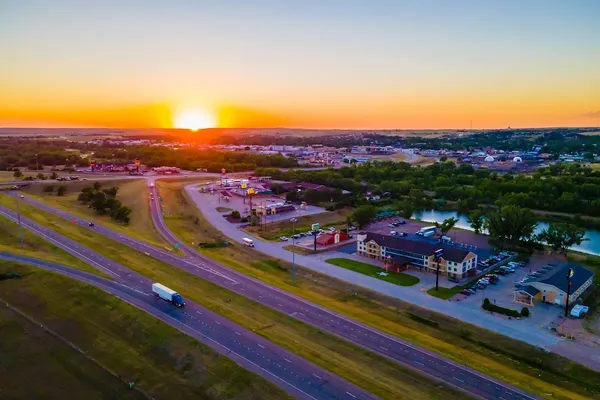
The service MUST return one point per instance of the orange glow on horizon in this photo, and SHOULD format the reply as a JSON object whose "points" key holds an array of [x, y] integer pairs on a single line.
{"points": [[194, 119]]}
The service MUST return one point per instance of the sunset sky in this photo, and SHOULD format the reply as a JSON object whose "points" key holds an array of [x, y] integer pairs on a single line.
{"points": [[304, 63]]}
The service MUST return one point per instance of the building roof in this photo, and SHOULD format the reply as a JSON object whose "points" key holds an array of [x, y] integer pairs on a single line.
{"points": [[401, 260], [558, 276], [417, 247], [530, 290]]}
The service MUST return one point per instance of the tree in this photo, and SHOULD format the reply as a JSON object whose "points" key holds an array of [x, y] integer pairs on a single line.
{"points": [[446, 225], [444, 158], [53, 175], [97, 185], [61, 190], [49, 189], [41, 176], [525, 312], [235, 214], [277, 188], [476, 221], [112, 192], [510, 225], [292, 196], [561, 236], [406, 209], [17, 173], [364, 214]]}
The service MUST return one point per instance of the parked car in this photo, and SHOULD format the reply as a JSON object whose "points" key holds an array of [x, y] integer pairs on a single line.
{"points": [[402, 234], [465, 292], [296, 236], [283, 239], [332, 229], [393, 233], [390, 225], [352, 228], [472, 290]]}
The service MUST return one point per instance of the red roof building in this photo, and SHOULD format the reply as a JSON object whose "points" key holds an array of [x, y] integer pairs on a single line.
{"points": [[326, 239]]}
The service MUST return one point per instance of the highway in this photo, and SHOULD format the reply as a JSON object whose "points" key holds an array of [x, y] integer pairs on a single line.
{"points": [[297, 376], [429, 363]]}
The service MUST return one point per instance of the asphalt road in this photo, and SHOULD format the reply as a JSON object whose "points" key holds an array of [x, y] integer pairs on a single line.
{"points": [[297, 376], [431, 364]]}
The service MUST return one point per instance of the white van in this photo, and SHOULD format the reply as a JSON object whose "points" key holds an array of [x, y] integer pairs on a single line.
{"points": [[248, 242]]}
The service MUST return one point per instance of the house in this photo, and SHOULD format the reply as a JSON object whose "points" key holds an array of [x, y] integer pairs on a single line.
{"points": [[551, 285], [326, 239], [402, 252]]}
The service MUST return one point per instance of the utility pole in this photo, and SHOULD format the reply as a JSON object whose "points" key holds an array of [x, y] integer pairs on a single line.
{"points": [[19, 222], [293, 221], [569, 276], [37, 166], [437, 256]]}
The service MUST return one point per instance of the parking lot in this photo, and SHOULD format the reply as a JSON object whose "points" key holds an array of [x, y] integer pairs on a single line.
{"points": [[501, 294]]}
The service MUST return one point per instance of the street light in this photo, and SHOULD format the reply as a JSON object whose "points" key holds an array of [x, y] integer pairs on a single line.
{"points": [[569, 276], [293, 221], [437, 256]]}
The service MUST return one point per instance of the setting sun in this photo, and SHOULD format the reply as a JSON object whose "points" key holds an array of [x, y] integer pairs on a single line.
{"points": [[194, 119]]}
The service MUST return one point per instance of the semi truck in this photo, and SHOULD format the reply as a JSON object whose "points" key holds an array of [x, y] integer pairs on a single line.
{"points": [[167, 294]]}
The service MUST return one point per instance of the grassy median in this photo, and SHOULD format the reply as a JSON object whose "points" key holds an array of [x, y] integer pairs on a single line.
{"points": [[34, 246], [121, 344], [499, 356], [133, 193], [376, 374]]}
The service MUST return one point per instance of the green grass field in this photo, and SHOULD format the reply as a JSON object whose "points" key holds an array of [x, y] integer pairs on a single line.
{"points": [[118, 340], [378, 375], [34, 246], [520, 364], [373, 271], [133, 193], [443, 292]]}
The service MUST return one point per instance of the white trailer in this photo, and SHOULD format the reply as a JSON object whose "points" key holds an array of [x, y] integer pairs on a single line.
{"points": [[167, 294], [248, 242]]}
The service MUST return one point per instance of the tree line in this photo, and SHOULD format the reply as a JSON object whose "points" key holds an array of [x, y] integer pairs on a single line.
{"points": [[104, 202], [562, 188]]}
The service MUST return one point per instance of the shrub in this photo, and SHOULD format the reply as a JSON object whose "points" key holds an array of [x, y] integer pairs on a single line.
{"points": [[235, 214], [500, 310], [486, 302], [525, 312]]}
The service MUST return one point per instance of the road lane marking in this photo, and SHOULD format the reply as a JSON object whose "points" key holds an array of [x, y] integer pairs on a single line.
{"points": [[317, 376], [350, 394], [239, 334], [218, 322], [460, 380], [286, 360], [261, 346], [420, 363]]}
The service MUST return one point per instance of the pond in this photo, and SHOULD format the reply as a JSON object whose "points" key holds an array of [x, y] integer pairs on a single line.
{"points": [[591, 246]]}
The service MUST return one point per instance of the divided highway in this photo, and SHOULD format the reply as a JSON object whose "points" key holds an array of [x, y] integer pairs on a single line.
{"points": [[431, 364], [297, 376]]}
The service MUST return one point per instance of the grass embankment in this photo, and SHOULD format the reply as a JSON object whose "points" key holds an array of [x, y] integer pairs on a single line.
{"points": [[34, 246], [511, 360], [274, 230], [376, 374], [114, 336], [398, 278], [443, 292], [133, 193]]}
